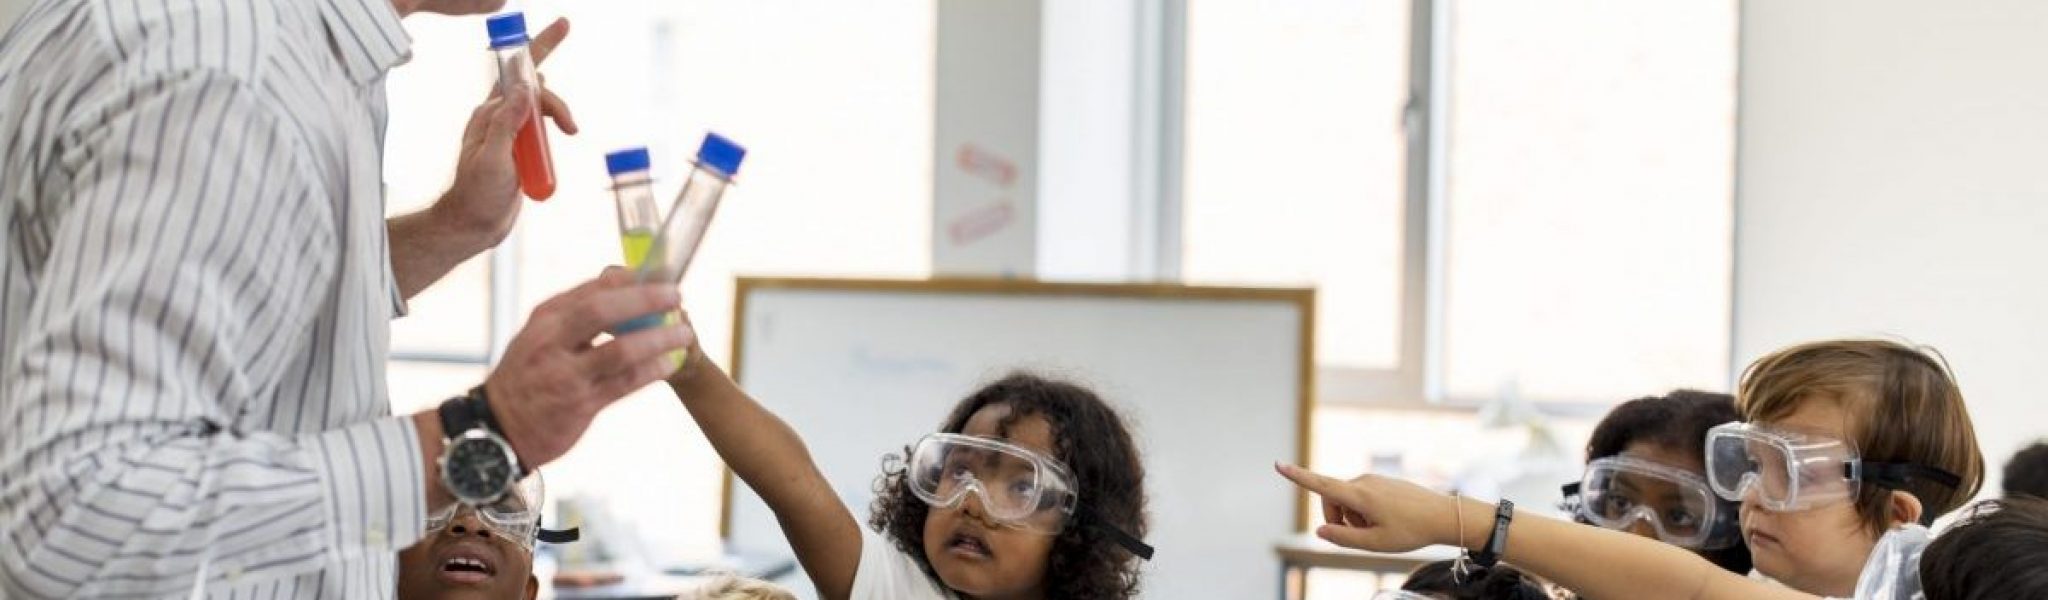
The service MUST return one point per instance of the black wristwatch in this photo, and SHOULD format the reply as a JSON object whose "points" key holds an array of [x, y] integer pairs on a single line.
{"points": [[1497, 542], [478, 465]]}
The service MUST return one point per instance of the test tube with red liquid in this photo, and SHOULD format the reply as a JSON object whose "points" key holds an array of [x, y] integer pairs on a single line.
{"points": [[515, 67]]}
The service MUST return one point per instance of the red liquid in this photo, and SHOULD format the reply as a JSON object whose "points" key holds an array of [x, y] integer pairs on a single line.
{"points": [[536, 165]]}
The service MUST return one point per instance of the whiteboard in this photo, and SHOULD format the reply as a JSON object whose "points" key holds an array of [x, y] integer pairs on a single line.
{"points": [[1213, 383]]}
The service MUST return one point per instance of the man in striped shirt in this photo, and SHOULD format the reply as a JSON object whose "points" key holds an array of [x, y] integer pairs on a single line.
{"points": [[196, 283]]}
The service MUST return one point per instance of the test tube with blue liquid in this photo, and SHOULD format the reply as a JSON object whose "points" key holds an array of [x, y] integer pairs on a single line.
{"points": [[667, 256]]}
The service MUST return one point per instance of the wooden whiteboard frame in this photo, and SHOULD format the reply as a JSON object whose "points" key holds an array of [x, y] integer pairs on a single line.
{"points": [[1304, 300]]}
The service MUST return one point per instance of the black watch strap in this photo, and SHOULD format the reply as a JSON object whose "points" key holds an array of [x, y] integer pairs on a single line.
{"points": [[473, 411], [457, 417], [1497, 542], [480, 404]]}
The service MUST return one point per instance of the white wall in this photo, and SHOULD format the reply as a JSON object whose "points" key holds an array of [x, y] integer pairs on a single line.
{"points": [[985, 208], [1893, 179], [1086, 131], [1050, 85]]}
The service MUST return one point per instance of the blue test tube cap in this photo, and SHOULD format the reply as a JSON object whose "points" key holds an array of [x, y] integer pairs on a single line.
{"points": [[506, 29], [721, 153], [627, 160]]}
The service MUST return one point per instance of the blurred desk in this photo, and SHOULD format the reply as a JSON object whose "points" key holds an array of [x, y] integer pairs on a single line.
{"points": [[669, 583], [1298, 554], [644, 586], [765, 567]]}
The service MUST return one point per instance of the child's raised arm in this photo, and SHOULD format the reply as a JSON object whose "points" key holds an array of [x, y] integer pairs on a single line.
{"points": [[1390, 515], [771, 459]]}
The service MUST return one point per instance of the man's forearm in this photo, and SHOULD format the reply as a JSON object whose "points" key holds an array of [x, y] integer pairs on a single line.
{"points": [[426, 246]]}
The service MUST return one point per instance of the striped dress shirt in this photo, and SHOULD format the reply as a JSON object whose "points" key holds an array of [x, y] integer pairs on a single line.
{"points": [[195, 302]]}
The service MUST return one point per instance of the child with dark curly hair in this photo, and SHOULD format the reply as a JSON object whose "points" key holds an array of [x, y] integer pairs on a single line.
{"points": [[1031, 488], [1049, 418]]}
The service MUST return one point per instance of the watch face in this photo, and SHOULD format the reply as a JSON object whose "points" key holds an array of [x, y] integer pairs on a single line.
{"points": [[477, 469]]}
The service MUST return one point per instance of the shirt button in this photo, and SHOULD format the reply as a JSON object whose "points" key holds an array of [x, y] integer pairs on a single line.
{"points": [[376, 535]]}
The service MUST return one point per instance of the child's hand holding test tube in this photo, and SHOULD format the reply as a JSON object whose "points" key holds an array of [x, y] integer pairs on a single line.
{"points": [[663, 254]]}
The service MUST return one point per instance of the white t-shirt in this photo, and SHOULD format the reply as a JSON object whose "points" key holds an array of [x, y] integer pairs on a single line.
{"points": [[886, 573]]}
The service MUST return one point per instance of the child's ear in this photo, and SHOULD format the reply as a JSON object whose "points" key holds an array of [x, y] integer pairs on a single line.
{"points": [[1906, 508], [532, 586]]}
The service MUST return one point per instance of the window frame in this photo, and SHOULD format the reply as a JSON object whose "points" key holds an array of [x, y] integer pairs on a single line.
{"points": [[501, 299]]}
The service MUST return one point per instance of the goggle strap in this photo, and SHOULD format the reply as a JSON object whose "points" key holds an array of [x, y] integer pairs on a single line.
{"points": [[1897, 475], [1123, 538], [560, 536], [555, 536]]}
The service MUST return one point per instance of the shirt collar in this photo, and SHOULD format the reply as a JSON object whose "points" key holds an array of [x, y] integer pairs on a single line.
{"points": [[367, 36]]}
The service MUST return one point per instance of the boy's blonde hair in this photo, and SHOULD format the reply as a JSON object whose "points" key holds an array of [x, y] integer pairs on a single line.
{"points": [[730, 587], [1904, 404]]}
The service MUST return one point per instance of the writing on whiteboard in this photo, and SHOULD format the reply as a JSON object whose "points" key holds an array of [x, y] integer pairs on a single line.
{"points": [[868, 361]]}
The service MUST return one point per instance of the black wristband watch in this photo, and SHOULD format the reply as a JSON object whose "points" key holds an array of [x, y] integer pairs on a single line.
{"points": [[477, 464], [1497, 542]]}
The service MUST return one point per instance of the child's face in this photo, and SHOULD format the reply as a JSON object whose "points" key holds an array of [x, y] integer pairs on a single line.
{"points": [[980, 558], [1670, 457], [465, 560], [1820, 550]]}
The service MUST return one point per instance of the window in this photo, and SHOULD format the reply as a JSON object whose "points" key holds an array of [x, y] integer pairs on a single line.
{"points": [[1294, 160], [1579, 202], [1590, 194]]}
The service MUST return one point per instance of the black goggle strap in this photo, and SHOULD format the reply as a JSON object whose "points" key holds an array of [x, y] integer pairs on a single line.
{"points": [[1130, 543], [1898, 475], [1895, 476], [556, 536], [1570, 502]]}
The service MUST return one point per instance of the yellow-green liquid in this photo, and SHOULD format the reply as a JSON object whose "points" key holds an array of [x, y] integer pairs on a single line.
{"points": [[636, 243]]}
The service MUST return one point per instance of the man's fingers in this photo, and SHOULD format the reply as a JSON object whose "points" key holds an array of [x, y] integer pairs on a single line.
{"points": [[507, 115], [610, 277], [624, 353], [593, 312], [614, 276], [553, 107], [544, 44], [479, 122]]}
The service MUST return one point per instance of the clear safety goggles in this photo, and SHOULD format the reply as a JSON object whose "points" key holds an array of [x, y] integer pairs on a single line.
{"points": [[515, 517], [1784, 470], [1618, 492], [1017, 487]]}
